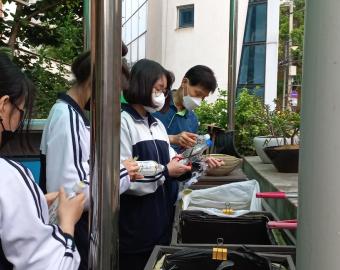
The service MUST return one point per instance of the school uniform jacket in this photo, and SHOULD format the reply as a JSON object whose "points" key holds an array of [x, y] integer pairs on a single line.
{"points": [[27, 241], [146, 207], [65, 147]]}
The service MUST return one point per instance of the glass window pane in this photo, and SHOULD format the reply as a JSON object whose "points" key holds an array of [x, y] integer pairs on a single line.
{"points": [[186, 16], [256, 23], [124, 33], [123, 11], [255, 90], [134, 6], [134, 25], [252, 68], [134, 51], [128, 31], [141, 47], [142, 19], [128, 9]]}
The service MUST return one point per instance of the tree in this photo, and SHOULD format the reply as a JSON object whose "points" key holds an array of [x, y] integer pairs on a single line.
{"points": [[44, 38]]}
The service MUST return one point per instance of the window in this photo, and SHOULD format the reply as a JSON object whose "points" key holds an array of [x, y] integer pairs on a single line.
{"points": [[186, 16], [252, 68], [134, 29]]}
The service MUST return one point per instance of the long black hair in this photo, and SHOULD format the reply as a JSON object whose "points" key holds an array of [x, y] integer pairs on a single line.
{"points": [[15, 84]]}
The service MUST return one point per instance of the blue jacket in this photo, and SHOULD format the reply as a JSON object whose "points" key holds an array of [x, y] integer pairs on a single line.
{"points": [[175, 122], [146, 208]]}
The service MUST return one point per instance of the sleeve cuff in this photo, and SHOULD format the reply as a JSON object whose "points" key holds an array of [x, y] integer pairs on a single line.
{"points": [[69, 241], [166, 172]]}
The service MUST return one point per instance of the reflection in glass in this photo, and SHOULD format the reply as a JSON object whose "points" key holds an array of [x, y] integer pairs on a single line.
{"points": [[252, 69], [256, 23]]}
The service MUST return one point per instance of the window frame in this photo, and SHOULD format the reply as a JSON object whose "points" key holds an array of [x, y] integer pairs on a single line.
{"points": [[181, 9]]}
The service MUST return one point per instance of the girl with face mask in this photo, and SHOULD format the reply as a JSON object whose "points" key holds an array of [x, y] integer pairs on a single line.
{"points": [[146, 207], [27, 241]]}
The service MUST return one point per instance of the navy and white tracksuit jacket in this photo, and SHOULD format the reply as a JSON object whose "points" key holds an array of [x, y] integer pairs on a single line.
{"points": [[65, 154], [65, 148], [27, 241], [146, 207]]}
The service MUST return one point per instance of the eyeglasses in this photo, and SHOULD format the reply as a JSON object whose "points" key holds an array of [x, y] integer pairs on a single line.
{"points": [[159, 92], [22, 114]]}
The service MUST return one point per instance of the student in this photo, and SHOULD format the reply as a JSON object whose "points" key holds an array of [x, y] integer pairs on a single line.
{"points": [[27, 241], [65, 147], [179, 119], [146, 207]]}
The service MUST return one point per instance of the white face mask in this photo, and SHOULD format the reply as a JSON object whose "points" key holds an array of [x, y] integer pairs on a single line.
{"points": [[158, 101], [191, 103]]}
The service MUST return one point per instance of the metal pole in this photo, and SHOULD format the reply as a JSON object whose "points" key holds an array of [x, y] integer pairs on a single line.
{"points": [[285, 76], [289, 55], [318, 241], [232, 60], [86, 24], [105, 133]]}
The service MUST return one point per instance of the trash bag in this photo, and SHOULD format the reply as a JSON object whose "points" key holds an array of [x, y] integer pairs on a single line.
{"points": [[240, 196], [201, 259], [199, 227]]}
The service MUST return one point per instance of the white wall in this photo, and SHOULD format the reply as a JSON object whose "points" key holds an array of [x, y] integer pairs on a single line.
{"points": [[206, 43], [272, 51]]}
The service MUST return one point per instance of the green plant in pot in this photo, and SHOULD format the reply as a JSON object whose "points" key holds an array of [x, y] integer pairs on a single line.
{"points": [[286, 125]]}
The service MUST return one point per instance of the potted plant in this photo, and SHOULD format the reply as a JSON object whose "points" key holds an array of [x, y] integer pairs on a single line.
{"points": [[260, 142], [286, 125]]}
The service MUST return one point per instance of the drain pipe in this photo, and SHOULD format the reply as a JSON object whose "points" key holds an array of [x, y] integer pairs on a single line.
{"points": [[318, 241], [105, 133]]}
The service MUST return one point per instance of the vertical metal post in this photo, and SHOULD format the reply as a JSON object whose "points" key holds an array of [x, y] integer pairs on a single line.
{"points": [[232, 61], [318, 241], [290, 78], [105, 133], [287, 78], [285, 75], [86, 24]]}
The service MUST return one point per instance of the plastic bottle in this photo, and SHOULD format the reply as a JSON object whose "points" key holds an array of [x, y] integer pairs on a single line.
{"points": [[70, 193], [149, 167], [194, 153]]}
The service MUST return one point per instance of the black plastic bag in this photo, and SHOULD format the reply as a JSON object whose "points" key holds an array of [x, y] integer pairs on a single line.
{"points": [[201, 259], [199, 227]]}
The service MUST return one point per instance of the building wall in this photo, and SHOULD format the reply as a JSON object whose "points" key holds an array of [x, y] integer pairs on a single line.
{"points": [[206, 43]]}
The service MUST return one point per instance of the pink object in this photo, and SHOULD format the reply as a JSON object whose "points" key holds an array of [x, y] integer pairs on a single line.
{"points": [[283, 224], [275, 195]]}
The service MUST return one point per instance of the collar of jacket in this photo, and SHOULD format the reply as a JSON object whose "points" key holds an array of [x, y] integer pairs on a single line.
{"points": [[136, 116], [67, 99]]}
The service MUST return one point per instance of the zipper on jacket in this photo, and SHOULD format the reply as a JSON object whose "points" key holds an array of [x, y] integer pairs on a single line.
{"points": [[153, 139], [154, 142], [172, 119]]}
